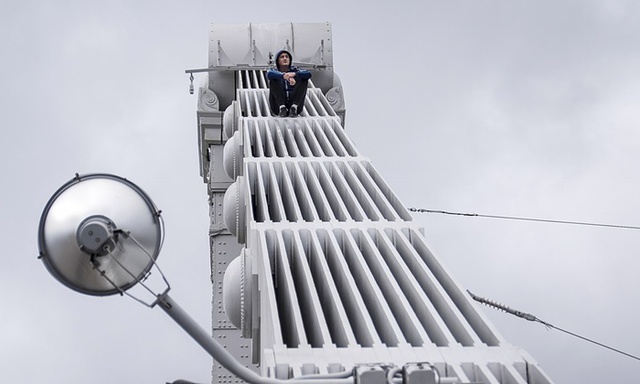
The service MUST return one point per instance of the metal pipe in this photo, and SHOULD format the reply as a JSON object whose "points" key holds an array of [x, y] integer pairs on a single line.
{"points": [[222, 356], [247, 67]]}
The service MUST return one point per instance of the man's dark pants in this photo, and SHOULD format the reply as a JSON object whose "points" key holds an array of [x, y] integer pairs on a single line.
{"points": [[278, 96]]}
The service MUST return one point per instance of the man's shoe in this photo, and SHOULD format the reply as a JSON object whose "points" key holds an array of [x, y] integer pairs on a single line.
{"points": [[293, 112], [283, 111]]}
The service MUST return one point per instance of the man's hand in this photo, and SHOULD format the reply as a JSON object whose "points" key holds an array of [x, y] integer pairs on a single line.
{"points": [[290, 77]]}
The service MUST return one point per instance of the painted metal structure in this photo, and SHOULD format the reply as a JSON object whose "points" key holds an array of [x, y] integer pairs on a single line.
{"points": [[316, 265]]}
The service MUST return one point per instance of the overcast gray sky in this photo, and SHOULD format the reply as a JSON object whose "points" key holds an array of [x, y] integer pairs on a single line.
{"points": [[492, 107]]}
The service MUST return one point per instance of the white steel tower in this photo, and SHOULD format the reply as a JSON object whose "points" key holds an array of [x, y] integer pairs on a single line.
{"points": [[317, 267]]}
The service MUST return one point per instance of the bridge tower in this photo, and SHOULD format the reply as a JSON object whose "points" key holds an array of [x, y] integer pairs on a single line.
{"points": [[316, 266]]}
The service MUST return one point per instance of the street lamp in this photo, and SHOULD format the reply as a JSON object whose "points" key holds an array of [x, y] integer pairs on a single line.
{"points": [[101, 234]]}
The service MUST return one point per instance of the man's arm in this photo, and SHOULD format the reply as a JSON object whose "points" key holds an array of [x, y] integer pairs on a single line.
{"points": [[290, 77], [273, 74], [303, 74]]}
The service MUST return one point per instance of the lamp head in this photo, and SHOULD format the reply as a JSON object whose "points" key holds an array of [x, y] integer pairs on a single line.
{"points": [[99, 234]]}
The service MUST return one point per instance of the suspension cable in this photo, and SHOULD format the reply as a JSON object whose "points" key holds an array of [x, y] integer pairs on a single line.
{"points": [[421, 210], [530, 317]]}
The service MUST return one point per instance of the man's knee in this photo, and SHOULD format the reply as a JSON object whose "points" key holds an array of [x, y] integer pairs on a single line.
{"points": [[273, 83]]}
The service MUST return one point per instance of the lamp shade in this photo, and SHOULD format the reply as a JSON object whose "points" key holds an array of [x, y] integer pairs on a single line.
{"points": [[99, 234]]}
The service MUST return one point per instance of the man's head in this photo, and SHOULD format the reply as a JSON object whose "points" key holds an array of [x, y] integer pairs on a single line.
{"points": [[283, 60]]}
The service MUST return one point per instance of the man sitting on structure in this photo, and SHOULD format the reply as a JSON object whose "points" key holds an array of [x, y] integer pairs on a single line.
{"points": [[287, 85]]}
